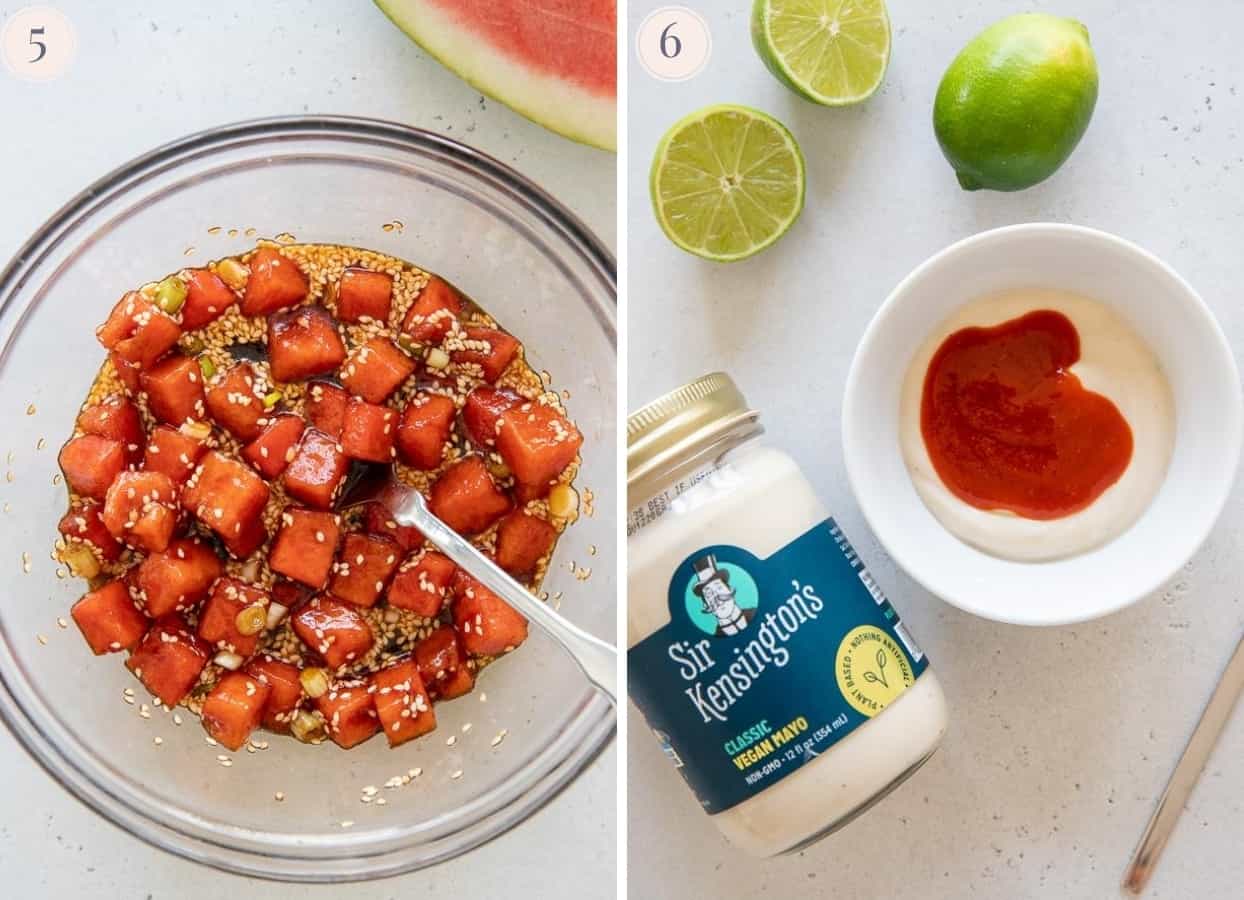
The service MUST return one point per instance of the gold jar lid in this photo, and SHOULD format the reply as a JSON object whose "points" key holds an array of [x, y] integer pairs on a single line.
{"points": [[669, 429]]}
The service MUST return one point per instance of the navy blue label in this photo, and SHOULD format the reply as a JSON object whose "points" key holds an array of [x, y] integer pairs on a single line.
{"points": [[767, 663]]}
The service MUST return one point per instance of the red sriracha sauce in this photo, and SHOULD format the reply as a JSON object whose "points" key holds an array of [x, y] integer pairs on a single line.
{"points": [[1008, 427]]}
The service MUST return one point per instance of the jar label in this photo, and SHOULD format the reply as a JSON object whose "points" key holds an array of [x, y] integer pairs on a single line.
{"points": [[766, 664]]}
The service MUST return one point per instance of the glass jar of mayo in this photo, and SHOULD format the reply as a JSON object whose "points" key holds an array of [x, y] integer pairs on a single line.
{"points": [[778, 678]]}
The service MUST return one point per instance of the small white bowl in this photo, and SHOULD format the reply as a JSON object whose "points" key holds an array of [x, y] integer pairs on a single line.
{"points": [[1209, 419]]}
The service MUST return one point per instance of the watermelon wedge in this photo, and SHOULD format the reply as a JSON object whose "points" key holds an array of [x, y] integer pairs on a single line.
{"points": [[553, 61]]}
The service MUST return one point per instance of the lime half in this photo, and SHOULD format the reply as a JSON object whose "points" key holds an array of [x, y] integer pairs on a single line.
{"points": [[832, 52], [727, 182]]}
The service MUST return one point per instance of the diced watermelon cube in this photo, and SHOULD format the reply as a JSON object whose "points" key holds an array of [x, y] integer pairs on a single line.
{"points": [[369, 431], [289, 593], [433, 313], [91, 463], [235, 401], [305, 546], [169, 660], [178, 579], [365, 566], [326, 407], [376, 369], [275, 282], [129, 374], [443, 664], [137, 331], [117, 419], [84, 524], [378, 520], [140, 509], [109, 620], [174, 388], [318, 469], [173, 452], [246, 540], [207, 298], [273, 450], [426, 424], [218, 618], [488, 348], [229, 498], [304, 342], [522, 541], [486, 624], [285, 690], [402, 703], [482, 409], [333, 629], [234, 708], [363, 293], [537, 442], [348, 710], [466, 498], [422, 583]]}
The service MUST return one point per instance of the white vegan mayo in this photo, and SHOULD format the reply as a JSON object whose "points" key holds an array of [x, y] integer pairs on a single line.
{"points": [[766, 660]]}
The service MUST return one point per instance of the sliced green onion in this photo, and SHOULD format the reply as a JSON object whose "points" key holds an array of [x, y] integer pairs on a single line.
{"points": [[170, 294], [232, 273], [314, 682], [207, 367], [271, 399], [251, 620]]}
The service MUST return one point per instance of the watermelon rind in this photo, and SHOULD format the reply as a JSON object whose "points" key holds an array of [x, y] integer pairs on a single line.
{"points": [[564, 108]]}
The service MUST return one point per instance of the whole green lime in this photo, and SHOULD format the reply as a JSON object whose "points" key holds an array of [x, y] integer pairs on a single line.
{"points": [[1016, 101]]}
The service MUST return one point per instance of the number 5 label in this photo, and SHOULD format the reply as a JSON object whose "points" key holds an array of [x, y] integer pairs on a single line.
{"points": [[37, 43], [674, 43]]}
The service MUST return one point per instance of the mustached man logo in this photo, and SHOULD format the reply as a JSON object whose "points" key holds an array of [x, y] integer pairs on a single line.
{"points": [[721, 598]]}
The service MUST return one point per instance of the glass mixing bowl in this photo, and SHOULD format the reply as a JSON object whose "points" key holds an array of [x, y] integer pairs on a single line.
{"points": [[416, 195]]}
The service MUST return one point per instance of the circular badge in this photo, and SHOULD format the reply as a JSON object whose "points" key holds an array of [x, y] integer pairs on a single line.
{"points": [[37, 43], [721, 599], [674, 43], [872, 669]]}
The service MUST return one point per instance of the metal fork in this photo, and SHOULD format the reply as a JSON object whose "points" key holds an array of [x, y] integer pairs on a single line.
{"points": [[597, 659]]}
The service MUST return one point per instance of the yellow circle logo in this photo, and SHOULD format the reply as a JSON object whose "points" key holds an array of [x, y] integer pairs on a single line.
{"points": [[871, 669]]}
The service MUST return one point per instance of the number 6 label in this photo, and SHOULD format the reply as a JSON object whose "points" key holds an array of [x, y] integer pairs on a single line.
{"points": [[37, 43], [674, 43]]}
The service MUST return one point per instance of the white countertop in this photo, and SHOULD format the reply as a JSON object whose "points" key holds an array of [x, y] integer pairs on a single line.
{"points": [[1062, 738], [143, 76]]}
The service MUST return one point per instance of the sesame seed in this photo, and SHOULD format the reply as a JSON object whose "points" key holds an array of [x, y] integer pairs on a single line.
{"points": [[42, 640], [157, 740], [176, 718], [61, 623], [279, 796], [456, 775], [500, 737]]}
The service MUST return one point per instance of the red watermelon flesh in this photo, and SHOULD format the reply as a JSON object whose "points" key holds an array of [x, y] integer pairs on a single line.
{"points": [[554, 61]]}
